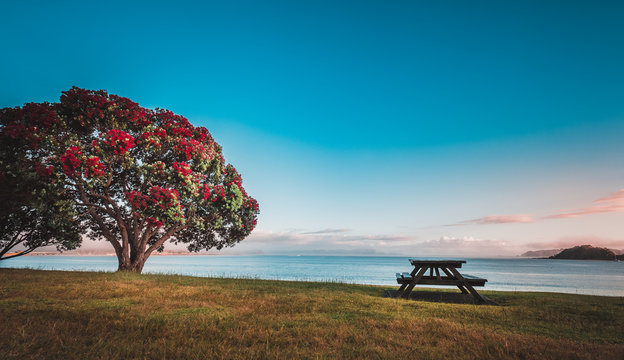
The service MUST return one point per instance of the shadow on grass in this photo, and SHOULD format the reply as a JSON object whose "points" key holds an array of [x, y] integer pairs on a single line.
{"points": [[441, 296]]}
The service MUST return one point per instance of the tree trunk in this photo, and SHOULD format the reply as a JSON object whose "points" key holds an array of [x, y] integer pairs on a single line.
{"points": [[133, 264], [133, 256]]}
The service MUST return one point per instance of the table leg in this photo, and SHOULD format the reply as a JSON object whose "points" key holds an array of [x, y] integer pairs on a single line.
{"points": [[416, 268], [414, 281], [459, 286], [404, 285], [468, 286], [401, 288]]}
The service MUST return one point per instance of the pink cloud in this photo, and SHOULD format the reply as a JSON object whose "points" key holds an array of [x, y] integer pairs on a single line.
{"points": [[615, 197], [612, 203], [498, 219]]}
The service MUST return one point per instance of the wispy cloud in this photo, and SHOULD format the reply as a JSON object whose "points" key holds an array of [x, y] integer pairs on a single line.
{"points": [[310, 237], [497, 219], [612, 203], [327, 231]]}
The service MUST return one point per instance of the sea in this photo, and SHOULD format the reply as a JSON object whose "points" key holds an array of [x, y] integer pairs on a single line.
{"points": [[508, 274]]}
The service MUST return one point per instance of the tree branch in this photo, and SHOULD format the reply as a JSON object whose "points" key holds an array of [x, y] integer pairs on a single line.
{"points": [[117, 216], [98, 219], [94, 205], [12, 243], [18, 254], [164, 238]]}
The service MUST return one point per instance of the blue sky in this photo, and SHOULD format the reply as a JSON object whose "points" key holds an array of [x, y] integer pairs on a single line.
{"points": [[362, 127]]}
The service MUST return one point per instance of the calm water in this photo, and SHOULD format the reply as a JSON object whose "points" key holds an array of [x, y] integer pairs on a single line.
{"points": [[568, 276]]}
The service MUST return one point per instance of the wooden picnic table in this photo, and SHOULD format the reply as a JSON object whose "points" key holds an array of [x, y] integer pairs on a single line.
{"points": [[441, 272]]}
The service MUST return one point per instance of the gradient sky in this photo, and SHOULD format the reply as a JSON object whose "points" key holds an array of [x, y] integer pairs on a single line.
{"points": [[368, 127]]}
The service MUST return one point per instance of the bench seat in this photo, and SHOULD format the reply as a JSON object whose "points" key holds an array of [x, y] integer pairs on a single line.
{"points": [[443, 280]]}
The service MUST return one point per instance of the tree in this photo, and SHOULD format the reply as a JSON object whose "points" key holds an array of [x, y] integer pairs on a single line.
{"points": [[34, 211], [141, 177]]}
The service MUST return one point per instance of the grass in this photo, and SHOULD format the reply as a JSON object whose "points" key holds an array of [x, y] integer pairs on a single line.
{"points": [[78, 315]]}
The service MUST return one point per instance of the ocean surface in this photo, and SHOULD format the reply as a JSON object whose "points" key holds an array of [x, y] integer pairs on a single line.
{"points": [[513, 274]]}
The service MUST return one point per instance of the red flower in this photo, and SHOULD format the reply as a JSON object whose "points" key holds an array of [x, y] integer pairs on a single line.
{"points": [[94, 167], [153, 222], [206, 191], [120, 141], [70, 160], [182, 168]]}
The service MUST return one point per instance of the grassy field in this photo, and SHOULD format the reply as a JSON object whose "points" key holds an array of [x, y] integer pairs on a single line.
{"points": [[78, 315]]}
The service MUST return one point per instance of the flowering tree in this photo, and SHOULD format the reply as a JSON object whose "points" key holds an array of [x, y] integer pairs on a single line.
{"points": [[34, 210], [139, 177]]}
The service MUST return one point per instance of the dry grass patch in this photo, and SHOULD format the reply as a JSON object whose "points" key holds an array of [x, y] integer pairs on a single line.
{"points": [[74, 315]]}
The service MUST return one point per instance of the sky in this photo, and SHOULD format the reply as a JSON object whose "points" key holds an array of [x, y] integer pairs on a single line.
{"points": [[452, 128]]}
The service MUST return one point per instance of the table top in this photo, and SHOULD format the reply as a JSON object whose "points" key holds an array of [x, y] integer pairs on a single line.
{"points": [[446, 263]]}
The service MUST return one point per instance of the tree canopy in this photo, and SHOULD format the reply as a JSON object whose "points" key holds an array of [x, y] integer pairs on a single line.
{"points": [[34, 210], [136, 177]]}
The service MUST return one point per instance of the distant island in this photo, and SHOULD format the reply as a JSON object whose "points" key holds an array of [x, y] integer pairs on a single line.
{"points": [[541, 253], [587, 252], [581, 252]]}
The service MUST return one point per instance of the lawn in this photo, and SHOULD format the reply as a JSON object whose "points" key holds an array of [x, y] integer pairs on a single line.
{"points": [[79, 315]]}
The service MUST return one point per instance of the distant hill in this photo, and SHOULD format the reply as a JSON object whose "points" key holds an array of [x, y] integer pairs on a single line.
{"points": [[541, 253], [585, 252], [552, 252]]}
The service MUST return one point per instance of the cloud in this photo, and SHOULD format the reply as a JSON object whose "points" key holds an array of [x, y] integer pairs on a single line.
{"points": [[398, 237], [497, 219], [327, 231], [463, 242], [467, 246], [310, 237], [612, 203], [615, 197]]}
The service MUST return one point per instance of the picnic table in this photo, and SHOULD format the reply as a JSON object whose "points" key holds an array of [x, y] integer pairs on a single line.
{"points": [[441, 272]]}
